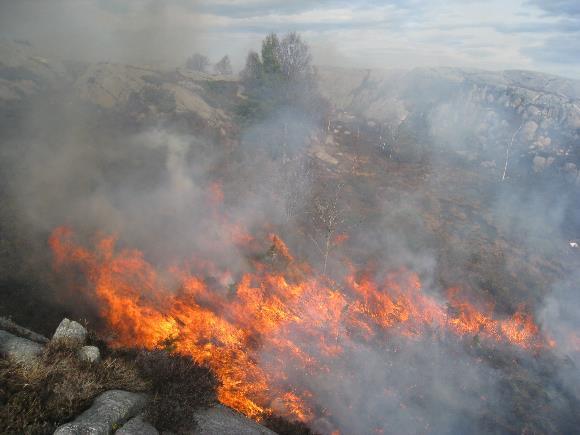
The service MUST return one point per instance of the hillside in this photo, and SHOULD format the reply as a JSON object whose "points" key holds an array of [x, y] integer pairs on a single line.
{"points": [[474, 113], [401, 258]]}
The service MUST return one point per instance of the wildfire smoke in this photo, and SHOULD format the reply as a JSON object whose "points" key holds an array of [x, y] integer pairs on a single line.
{"points": [[307, 321]]}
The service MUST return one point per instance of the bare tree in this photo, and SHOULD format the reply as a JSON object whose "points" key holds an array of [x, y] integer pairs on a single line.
{"points": [[197, 62], [224, 66], [294, 57], [328, 217]]}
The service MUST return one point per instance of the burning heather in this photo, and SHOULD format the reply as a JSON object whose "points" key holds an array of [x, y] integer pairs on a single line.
{"points": [[270, 334]]}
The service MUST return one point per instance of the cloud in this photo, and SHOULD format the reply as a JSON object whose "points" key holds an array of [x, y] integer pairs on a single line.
{"points": [[557, 50], [361, 33], [260, 8], [534, 27], [569, 8]]}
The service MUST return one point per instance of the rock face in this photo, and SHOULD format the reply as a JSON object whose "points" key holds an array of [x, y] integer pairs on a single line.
{"points": [[24, 72], [220, 420], [470, 112], [146, 93], [70, 330], [135, 93], [18, 349], [108, 411]]}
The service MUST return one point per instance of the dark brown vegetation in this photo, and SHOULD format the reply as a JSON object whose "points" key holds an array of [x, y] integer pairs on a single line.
{"points": [[284, 427], [179, 388]]}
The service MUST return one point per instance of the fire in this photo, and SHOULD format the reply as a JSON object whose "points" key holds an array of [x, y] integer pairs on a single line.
{"points": [[257, 331]]}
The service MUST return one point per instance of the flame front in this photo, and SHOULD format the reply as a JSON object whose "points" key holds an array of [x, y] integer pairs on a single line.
{"points": [[274, 322]]}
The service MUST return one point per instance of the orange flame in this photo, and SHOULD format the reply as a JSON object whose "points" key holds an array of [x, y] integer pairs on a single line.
{"points": [[282, 310]]}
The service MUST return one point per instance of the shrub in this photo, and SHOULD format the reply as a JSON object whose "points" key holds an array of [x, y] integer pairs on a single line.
{"points": [[179, 388]]}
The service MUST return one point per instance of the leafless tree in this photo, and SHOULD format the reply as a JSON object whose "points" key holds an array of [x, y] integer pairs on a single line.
{"points": [[294, 57], [328, 216]]}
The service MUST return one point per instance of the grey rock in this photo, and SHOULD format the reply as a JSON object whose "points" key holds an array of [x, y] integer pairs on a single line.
{"points": [[90, 354], [9, 326], [70, 330], [137, 426], [18, 349], [108, 411], [220, 420]]}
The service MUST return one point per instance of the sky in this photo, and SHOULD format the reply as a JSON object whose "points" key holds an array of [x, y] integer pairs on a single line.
{"points": [[540, 35]]}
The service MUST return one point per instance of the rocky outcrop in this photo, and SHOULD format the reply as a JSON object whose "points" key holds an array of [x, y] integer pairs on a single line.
{"points": [[107, 413], [118, 411], [18, 349], [473, 113], [9, 326], [25, 73], [143, 92], [220, 420], [139, 93], [25, 346], [137, 426], [115, 411]]}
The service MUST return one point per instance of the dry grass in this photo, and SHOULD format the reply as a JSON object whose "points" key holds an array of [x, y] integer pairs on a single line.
{"points": [[36, 398]]}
